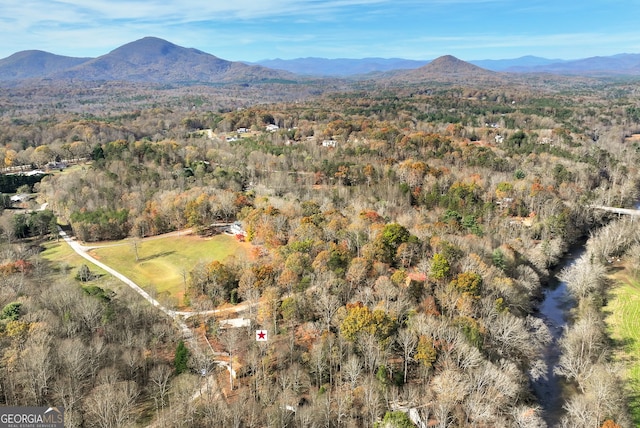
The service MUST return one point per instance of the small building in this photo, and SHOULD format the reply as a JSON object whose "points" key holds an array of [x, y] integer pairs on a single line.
{"points": [[56, 165], [329, 143], [272, 128], [35, 172], [236, 229], [22, 197]]}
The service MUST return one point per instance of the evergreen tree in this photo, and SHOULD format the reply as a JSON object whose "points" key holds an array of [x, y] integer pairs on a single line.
{"points": [[181, 358]]}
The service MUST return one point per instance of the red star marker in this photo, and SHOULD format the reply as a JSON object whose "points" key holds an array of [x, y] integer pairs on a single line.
{"points": [[261, 335]]}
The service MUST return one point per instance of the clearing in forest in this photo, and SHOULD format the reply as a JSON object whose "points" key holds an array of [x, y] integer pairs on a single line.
{"points": [[163, 264]]}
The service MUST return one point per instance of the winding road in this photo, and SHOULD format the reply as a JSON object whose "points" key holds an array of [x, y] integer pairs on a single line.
{"points": [[177, 316]]}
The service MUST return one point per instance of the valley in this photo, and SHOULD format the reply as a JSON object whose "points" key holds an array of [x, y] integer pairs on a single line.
{"points": [[395, 236]]}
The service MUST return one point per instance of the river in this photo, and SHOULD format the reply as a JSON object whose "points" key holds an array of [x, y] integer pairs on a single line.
{"points": [[554, 310]]}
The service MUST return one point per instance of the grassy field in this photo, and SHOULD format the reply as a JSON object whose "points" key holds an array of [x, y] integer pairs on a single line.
{"points": [[64, 258], [163, 262], [623, 321]]}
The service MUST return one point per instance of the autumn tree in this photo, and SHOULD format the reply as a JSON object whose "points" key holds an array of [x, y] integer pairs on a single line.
{"points": [[389, 239], [440, 267]]}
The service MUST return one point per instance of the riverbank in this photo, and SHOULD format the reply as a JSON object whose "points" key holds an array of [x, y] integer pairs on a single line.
{"points": [[623, 325], [552, 390]]}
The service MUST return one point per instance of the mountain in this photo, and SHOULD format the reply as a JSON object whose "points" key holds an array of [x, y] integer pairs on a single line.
{"points": [[611, 65], [449, 64], [340, 67], [444, 69], [621, 64], [34, 64], [149, 59], [155, 60]]}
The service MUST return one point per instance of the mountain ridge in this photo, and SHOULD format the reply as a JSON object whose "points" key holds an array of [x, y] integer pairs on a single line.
{"points": [[149, 59], [155, 60], [35, 63]]}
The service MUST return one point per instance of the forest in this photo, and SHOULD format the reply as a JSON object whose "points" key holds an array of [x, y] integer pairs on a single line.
{"points": [[402, 239]]}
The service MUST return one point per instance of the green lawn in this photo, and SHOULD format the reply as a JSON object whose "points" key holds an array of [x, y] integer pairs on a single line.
{"points": [[63, 257], [163, 262], [623, 321]]}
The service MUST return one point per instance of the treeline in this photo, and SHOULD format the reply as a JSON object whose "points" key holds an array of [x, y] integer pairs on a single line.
{"points": [[10, 183]]}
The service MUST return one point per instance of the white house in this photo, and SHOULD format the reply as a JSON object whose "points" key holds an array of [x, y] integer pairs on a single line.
{"points": [[329, 143], [236, 229]]}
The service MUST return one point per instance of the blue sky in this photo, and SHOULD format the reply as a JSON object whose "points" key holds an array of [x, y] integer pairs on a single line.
{"points": [[251, 30]]}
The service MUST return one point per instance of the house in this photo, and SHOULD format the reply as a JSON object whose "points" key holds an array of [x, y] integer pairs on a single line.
{"points": [[236, 229], [272, 128], [329, 143], [242, 130], [21, 197], [56, 165]]}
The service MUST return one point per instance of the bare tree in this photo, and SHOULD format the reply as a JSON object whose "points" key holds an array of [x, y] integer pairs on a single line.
{"points": [[372, 400], [527, 417], [159, 377], [582, 345], [351, 370], [581, 412], [37, 364], [111, 403], [231, 340], [327, 305], [408, 341], [584, 277]]}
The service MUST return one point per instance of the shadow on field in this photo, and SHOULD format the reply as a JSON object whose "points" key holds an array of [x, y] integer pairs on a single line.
{"points": [[155, 256]]}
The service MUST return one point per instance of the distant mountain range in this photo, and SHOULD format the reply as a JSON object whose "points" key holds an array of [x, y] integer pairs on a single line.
{"points": [[621, 64], [340, 67], [158, 61]]}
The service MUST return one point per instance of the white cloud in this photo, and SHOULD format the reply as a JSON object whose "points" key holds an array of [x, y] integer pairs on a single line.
{"points": [[250, 29]]}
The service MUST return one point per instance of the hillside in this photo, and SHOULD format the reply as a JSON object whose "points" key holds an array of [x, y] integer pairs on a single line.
{"points": [[445, 69], [155, 60], [34, 64]]}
